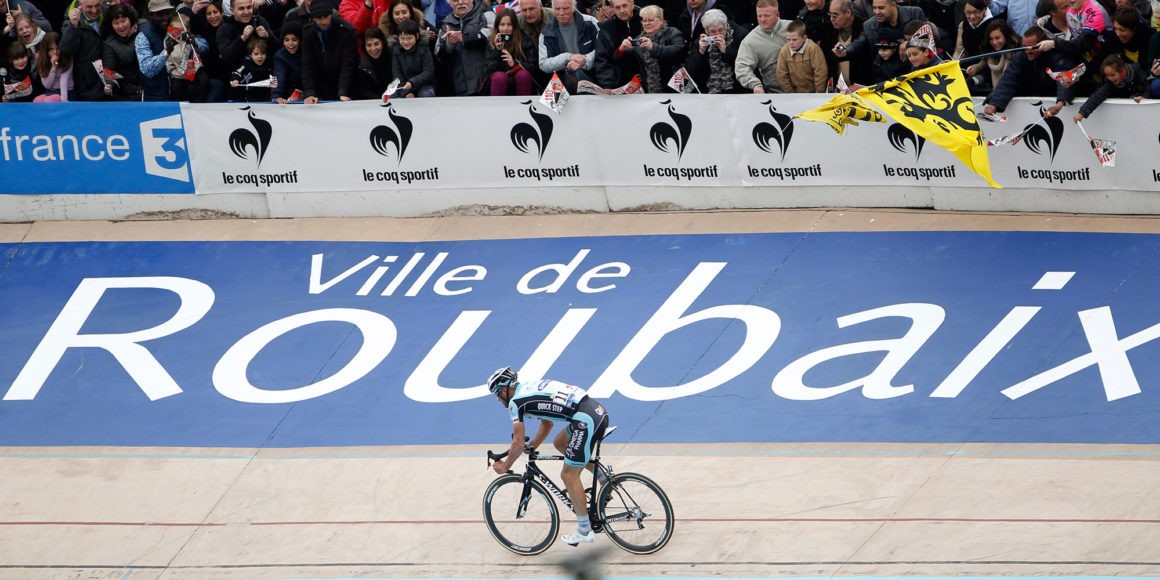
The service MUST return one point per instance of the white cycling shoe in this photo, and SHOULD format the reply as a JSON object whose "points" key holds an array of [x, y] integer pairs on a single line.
{"points": [[577, 537]]}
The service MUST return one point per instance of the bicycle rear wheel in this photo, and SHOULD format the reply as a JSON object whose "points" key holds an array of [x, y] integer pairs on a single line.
{"points": [[636, 514], [520, 514]]}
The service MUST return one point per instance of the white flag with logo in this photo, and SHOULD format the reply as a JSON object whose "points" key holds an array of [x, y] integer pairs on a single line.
{"points": [[682, 82], [555, 95]]}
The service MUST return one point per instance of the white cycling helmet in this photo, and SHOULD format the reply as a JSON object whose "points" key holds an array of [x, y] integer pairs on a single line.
{"points": [[501, 378]]}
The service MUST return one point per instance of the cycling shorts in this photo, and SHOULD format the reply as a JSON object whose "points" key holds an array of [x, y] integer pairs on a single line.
{"points": [[584, 430]]}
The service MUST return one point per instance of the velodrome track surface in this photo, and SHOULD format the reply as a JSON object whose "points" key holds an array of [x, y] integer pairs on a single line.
{"points": [[860, 507]]}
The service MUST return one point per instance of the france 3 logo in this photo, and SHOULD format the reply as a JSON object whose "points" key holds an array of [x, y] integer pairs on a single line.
{"points": [[163, 147]]}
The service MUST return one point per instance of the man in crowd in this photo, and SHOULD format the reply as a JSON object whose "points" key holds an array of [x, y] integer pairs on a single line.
{"points": [[329, 55], [533, 18], [238, 29], [756, 65], [568, 45], [615, 67], [462, 45], [1027, 76], [887, 14], [81, 38]]}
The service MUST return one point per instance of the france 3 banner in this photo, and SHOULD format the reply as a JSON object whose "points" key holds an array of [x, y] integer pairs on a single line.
{"points": [[641, 140], [89, 148]]}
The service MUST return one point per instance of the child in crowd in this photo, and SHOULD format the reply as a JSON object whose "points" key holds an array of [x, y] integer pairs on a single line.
{"points": [[1121, 80], [801, 64], [887, 64], [21, 85], [255, 68], [54, 69], [187, 80], [288, 65], [412, 63]]}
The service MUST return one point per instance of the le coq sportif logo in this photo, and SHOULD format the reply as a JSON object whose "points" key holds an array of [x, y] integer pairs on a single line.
{"points": [[902, 139], [251, 144], [666, 137], [777, 134], [1044, 136], [384, 137], [533, 139]]}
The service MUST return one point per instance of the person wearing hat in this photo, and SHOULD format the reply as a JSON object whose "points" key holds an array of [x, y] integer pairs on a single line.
{"points": [[921, 47], [151, 52], [887, 63], [329, 55]]}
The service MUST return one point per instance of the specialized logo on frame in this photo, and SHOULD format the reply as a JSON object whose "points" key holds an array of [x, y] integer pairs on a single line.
{"points": [[391, 140], [531, 138], [672, 136]]}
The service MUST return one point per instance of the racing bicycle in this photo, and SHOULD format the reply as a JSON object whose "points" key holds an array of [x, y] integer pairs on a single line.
{"points": [[630, 508]]}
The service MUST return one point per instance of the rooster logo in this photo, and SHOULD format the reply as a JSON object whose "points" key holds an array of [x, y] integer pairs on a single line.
{"points": [[780, 132], [1045, 135], [383, 135], [678, 133], [245, 143], [529, 139], [900, 137]]}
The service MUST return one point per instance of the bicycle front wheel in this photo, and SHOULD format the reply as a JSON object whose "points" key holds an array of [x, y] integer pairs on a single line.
{"points": [[636, 514], [520, 514]]}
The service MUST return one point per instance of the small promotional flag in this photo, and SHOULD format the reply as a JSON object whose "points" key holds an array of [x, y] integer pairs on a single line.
{"points": [[270, 83], [19, 90], [1068, 77], [108, 77], [555, 94], [391, 90], [1105, 149], [682, 82], [295, 96]]}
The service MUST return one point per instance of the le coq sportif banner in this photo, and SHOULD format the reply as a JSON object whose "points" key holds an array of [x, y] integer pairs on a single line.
{"points": [[644, 140]]}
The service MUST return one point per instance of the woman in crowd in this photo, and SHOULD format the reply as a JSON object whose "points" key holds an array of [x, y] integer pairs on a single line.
{"points": [[374, 66], [660, 48], [206, 25], [712, 58], [1000, 36], [119, 54], [971, 39], [507, 51], [403, 10]]}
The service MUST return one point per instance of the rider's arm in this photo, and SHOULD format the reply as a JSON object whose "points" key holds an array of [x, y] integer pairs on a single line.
{"points": [[517, 444], [542, 433]]}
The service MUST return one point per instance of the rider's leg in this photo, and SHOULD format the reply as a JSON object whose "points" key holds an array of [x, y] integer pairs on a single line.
{"points": [[561, 443]]}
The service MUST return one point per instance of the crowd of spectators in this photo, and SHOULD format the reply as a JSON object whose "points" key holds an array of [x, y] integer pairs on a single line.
{"points": [[340, 50]]}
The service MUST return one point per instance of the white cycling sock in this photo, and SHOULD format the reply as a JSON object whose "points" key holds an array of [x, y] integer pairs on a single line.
{"points": [[582, 524]]}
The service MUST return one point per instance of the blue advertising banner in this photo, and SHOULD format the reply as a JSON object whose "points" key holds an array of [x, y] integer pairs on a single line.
{"points": [[823, 337], [93, 148]]}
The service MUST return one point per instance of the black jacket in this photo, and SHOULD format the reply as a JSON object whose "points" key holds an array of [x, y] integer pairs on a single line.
{"points": [[613, 69], [329, 60]]}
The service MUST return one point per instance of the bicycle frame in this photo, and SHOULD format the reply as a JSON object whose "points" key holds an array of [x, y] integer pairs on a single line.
{"points": [[534, 472]]}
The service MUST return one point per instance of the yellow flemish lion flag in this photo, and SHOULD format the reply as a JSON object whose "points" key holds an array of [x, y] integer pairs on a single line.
{"points": [[843, 110], [934, 103]]}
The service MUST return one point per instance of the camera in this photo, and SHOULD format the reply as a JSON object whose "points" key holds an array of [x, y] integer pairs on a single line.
{"points": [[711, 39], [505, 37], [636, 42], [976, 80]]}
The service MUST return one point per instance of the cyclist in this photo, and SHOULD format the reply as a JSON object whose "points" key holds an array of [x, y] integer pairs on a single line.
{"points": [[551, 401]]}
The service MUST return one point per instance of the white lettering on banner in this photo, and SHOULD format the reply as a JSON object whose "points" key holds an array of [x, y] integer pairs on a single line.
{"points": [[1108, 352], [441, 286], [378, 334], [563, 271], [63, 147], [761, 329], [926, 318], [145, 370], [423, 384], [163, 145]]}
